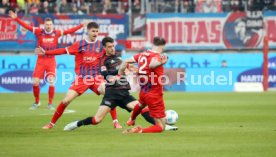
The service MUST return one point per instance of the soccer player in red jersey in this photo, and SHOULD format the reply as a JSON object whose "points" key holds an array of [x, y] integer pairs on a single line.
{"points": [[150, 72], [88, 54], [47, 38]]}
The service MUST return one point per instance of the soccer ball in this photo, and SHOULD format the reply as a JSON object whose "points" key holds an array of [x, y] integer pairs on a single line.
{"points": [[171, 117]]}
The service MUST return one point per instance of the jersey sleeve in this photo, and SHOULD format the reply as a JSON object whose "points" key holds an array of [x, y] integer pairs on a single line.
{"points": [[158, 57], [104, 71], [36, 31], [59, 51], [72, 30], [73, 49], [25, 25], [58, 33]]}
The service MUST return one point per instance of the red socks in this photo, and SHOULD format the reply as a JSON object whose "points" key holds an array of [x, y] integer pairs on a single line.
{"points": [[153, 129], [136, 111], [59, 111], [51, 93], [94, 121], [36, 91], [144, 110], [113, 114]]}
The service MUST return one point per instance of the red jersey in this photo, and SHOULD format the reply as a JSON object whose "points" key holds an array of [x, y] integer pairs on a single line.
{"points": [[149, 79], [47, 40], [88, 57]]}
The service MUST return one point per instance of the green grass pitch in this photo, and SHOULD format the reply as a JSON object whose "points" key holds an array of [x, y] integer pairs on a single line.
{"points": [[210, 125]]}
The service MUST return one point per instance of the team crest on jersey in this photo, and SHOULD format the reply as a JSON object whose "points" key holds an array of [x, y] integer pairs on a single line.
{"points": [[103, 68], [243, 30], [97, 50]]}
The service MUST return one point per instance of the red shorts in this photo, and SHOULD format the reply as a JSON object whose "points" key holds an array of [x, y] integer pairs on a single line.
{"points": [[47, 66], [80, 85], [155, 104]]}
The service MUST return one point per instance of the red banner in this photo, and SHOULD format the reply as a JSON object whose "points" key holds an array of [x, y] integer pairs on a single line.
{"points": [[237, 30]]}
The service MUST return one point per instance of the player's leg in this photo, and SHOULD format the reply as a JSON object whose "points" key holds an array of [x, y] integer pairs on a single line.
{"points": [[135, 112], [51, 92], [37, 75], [157, 111], [36, 92], [159, 126], [94, 120], [51, 78], [144, 112], [115, 120], [99, 88], [70, 96]]}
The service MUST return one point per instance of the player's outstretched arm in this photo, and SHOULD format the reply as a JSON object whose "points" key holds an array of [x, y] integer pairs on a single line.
{"points": [[124, 65], [14, 16], [74, 29], [41, 51], [59, 51], [155, 62]]}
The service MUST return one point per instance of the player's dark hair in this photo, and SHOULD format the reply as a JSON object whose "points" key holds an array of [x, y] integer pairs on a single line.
{"points": [[48, 19], [159, 41], [92, 25], [107, 40]]}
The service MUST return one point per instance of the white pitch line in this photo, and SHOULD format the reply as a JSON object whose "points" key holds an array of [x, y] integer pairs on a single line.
{"points": [[44, 114], [3, 116], [66, 111]]}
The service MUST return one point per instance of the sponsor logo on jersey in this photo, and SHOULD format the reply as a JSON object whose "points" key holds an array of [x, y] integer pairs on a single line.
{"points": [[89, 59], [48, 40]]}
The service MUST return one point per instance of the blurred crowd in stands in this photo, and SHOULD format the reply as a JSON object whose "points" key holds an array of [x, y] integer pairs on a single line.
{"points": [[137, 6]]}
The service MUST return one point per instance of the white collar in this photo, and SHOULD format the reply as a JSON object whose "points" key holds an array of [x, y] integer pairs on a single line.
{"points": [[48, 32], [91, 42], [152, 51]]}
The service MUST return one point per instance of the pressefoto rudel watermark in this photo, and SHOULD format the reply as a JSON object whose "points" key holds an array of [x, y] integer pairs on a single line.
{"points": [[209, 79]]}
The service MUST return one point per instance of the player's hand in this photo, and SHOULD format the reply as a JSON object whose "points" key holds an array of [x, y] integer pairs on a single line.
{"points": [[127, 71], [12, 14], [112, 79], [40, 51], [164, 58]]}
